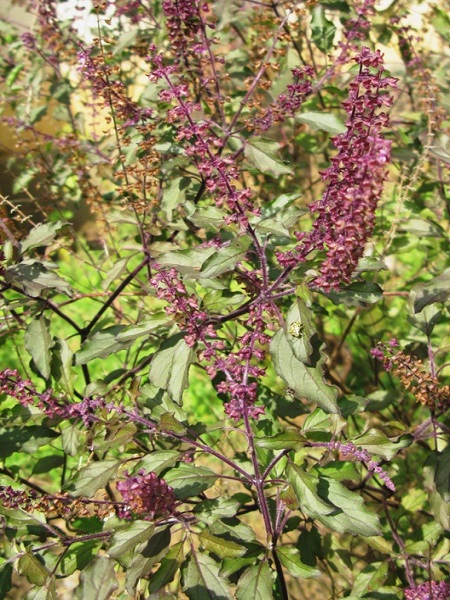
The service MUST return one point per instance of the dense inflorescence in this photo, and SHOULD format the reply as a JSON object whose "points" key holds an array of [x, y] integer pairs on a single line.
{"points": [[430, 590], [346, 212], [145, 495], [425, 386]]}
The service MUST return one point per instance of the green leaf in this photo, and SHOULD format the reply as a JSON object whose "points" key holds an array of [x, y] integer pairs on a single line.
{"points": [[61, 90], [332, 503], [61, 367], [262, 154], [221, 547], [351, 515], [288, 439], [24, 179], [19, 519], [370, 579], [101, 344], [436, 475], [357, 294], [225, 259], [270, 226], [255, 583], [306, 382], [6, 572], [91, 478], [170, 366], [71, 440], [162, 406], [322, 30], [78, 556], [442, 473], [189, 480], [98, 581], [168, 423], [118, 435], [376, 442], [129, 334], [128, 538], [41, 235], [201, 579], [209, 217], [339, 470], [159, 460], [173, 195], [305, 488], [422, 228], [436, 290], [37, 113], [322, 122], [441, 22], [47, 592], [254, 556], [301, 333], [32, 568], [210, 511], [13, 74], [290, 559], [47, 463], [169, 567], [186, 262], [25, 439], [34, 278], [38, 342], [427, 319], [116, 271], [126, 40], [318, 420], [233, 529], [151, 553], [114, 339]]}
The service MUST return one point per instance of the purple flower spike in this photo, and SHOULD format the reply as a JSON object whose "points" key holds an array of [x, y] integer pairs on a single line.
{"points": [[146, 494], [431, 590]]}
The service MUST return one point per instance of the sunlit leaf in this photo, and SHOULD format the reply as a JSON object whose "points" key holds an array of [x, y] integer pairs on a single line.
{"points": [[306, 382], [220, 546], [332, 503], [255, 583], [262, 154], [376, 442], [98, 581], [226, 259], [159, 460], [169, 567], [322, 29], [170, 366], [290, 559], [202, 580], [41, 235], [322, 121], [189, 480], [91, 478], [78, 556], [357, 294], [148, 555], [34, 277], [32, 568], [128, 538], [435, 290], [370, 579], [38, 342]]}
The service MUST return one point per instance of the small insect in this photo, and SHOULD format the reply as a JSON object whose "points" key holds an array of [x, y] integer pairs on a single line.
{"points": [[296, 329]]}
